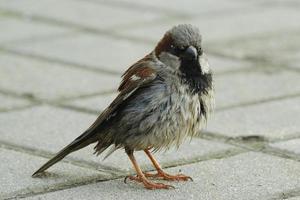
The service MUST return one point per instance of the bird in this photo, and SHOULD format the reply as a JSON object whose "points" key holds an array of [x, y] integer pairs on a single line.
{"points": [[164, 98]]}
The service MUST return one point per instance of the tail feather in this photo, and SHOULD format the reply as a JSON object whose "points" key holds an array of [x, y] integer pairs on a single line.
{"points": [[78, 143]]}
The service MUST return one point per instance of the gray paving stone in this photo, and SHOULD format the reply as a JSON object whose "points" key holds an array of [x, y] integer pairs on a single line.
{"points": [[15, 30], [295, 62], [39, 126], [279, 48], [238, 88], [88, 49], [86, 13], [245, 176], [272, 120], [198, 8], [100, 53], [287, 3], [8, 102], [96, 103], [49, 129], [223, 65], [294, 198], [236, 24], [16, 169], [50, 81], [292, 146]]}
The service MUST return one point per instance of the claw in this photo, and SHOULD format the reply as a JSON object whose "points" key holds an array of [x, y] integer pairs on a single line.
{"points": [[133, 178]]}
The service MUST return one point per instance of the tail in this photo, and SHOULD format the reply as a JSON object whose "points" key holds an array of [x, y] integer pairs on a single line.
{"points": [[82, 141]]}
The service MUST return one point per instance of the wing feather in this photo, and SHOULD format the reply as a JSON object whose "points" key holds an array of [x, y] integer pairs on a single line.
{"points": [[134, 78]]}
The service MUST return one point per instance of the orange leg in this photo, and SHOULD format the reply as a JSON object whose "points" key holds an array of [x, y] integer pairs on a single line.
{"points": [[140, 177], [161, 174]]}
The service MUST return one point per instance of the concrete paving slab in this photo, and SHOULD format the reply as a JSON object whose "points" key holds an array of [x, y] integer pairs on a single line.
{"points": [[50, 81], [244, 176], [294, 198], [13, 30], [228, 26], [85, 13], [225, 65], [39, 126], [16, 169], [251, 86], [8, 102], [278, 48], [271, 120], [88, 49], [292, 145], [96, 103], [48, 129], [206, 7]]}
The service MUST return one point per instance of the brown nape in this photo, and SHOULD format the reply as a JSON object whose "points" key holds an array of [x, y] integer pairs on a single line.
{"points": [[164, 44], [141, 72]]}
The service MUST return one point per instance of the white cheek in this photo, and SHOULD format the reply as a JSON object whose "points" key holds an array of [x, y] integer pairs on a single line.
{"points": [[204, 64]]}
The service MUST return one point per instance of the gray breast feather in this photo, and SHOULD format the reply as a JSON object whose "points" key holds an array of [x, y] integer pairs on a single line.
{"points": [[158, 116]]}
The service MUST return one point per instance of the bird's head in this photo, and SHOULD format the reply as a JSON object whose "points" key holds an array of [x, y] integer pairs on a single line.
{"points": [[181, 48]]}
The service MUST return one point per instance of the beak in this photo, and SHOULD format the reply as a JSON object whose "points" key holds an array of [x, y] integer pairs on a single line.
{"points": [[190, 53]]}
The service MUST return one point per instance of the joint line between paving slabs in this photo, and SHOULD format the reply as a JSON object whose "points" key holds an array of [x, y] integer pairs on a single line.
{"points": [[261, 101], [54, 22], [252, 143], [34, 101], [19, 108], [48, 155], [48, 37], [223, 154], [32, 98], [58, 61], [285, 195], [130, 5], [293, 69], [280, 153], [212, 156], [58, 187]]}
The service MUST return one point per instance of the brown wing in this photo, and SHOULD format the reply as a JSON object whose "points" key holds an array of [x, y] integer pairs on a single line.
{"points": [[135, 77]]}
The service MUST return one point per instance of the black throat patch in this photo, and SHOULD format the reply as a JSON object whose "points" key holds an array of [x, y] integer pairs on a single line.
{"points": [[192, 76]]}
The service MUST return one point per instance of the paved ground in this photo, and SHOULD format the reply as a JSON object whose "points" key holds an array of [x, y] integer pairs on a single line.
{"points": [[60, 64]]}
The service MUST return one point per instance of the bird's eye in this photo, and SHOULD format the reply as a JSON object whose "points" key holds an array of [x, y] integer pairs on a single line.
{"points": [[180, 49], [200, 51], [176, 50]]}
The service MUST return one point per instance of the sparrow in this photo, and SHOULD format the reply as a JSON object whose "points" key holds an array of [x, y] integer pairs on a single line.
{"points": [[163, 98]]}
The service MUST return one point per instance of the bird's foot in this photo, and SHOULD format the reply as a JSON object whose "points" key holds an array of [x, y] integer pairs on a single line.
{"points": [[148, 184], [165, 176]]}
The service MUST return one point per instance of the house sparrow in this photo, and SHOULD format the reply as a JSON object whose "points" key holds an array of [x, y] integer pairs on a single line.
{"points": [[163, 98]]}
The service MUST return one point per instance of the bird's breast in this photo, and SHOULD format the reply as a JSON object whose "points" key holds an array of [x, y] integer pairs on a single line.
{"points": [[181, 114]]}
